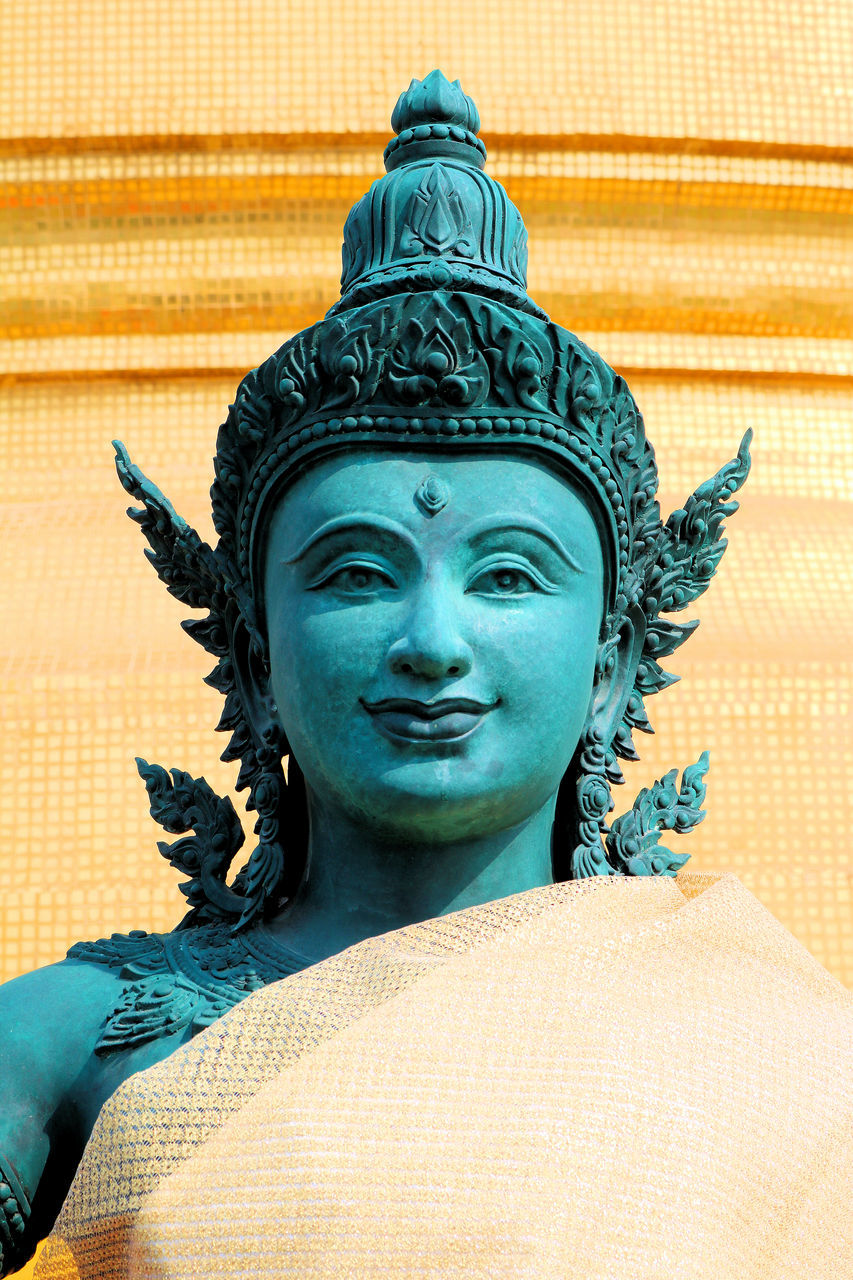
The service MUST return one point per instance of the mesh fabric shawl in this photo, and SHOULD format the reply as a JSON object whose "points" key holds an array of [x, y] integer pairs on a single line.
{"points": [[605, 1078]]}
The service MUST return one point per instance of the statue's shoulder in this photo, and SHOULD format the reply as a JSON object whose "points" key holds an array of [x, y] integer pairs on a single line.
{"points": [[180, 981]]}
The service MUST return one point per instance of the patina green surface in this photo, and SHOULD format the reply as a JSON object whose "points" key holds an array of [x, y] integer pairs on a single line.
{"points": [[438, 591]]}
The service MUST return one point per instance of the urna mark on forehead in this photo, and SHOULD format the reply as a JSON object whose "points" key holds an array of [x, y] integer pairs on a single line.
{"points": [[432, 494]]}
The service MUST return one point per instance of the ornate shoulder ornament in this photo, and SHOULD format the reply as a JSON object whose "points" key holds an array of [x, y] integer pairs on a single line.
{"points": [[183, 980]]}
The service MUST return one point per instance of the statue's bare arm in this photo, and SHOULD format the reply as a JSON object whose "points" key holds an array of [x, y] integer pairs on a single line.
{"points": [[52, 1085]]}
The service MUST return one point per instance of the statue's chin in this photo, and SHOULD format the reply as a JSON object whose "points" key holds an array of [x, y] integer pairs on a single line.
{"points": [[430, 802]]}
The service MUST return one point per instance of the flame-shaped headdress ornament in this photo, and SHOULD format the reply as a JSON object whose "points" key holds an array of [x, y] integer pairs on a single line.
{"points": [[434, 344]]}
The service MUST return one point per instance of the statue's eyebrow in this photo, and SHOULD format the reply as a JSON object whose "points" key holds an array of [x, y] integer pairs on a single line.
{"points": [[525, 524], [349, 524]]}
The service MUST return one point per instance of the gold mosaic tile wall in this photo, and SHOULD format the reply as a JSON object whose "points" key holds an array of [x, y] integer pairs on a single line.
{"points": [[174, 175]]}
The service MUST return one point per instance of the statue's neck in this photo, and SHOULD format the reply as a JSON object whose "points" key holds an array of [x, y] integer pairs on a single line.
{"points": [[357, 886]]}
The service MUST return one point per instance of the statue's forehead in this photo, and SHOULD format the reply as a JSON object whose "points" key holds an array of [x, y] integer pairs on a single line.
{"points": [[429, 493], [414, 477]]}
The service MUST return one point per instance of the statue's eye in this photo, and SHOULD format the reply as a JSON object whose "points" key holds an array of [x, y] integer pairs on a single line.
{"points": [[355, 579], [508, 580]]}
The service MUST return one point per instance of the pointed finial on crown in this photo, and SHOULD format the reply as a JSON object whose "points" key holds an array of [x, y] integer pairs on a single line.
{"points": [[435, 118], [435, 220]]}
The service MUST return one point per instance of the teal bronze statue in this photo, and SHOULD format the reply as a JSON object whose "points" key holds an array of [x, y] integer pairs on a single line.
{"points": [[439, 603]]}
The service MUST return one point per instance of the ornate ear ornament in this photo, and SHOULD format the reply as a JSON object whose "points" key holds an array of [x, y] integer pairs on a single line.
{"points": [[633, 842], [594, 802], [673, 572], [200, 576]]}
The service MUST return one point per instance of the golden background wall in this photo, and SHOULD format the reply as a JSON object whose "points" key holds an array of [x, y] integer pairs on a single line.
{"points": [[174, 176]]}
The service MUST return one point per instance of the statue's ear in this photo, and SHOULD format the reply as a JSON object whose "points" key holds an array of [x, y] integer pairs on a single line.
{"points": [[252, 679], [616, 674], [613, 689]]}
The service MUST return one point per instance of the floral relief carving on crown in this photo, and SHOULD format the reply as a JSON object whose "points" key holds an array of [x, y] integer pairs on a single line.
{"points": [[436, 221], [435, 360], [349, 361]]}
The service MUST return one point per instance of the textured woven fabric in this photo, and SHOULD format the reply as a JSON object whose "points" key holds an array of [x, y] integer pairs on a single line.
{"points": [[640, 1079]]}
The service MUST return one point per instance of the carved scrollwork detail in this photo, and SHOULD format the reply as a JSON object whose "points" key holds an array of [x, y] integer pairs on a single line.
{"points": [[633, 843], [185, 563], [593, 800], [16, 1245], [150, 1008], [675, 566], [181, 981], [204, 578], [353, 249], [594, 803], [692, 544], [181, 803], [520, 360], [349, 361], [518, 252]]}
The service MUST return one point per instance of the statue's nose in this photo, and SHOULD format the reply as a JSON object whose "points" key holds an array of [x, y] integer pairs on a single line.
{"points": [[431, 645]]}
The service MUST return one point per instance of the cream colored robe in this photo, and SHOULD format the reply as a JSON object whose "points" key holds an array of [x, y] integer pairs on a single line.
{"points": [[620, 1079]]}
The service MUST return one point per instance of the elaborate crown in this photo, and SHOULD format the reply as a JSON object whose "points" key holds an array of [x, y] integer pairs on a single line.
{"points": [[434, 344]]}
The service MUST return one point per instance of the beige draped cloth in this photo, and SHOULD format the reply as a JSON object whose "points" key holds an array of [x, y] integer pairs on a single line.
{"points": [[609, 1078]]}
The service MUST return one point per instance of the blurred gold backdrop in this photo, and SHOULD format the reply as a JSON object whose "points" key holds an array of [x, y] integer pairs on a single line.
{"points": [[174, 175]]}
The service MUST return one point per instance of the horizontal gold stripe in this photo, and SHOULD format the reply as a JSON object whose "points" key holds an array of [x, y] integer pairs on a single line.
{"points": [[159, 320], [629, 143], [576, 312], [626, 143], [41, 377], [779, 317], [164, 143], [723, 355], [673, 373], [752, 377], [203, 353], [210, 194]]}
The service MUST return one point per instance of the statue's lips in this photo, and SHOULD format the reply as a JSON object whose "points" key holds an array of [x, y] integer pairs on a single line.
{"points": [[441, 721]]}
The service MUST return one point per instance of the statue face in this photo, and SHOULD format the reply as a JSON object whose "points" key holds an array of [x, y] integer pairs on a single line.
{"points": [[433, 625]]}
